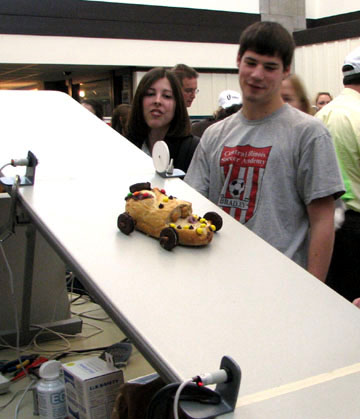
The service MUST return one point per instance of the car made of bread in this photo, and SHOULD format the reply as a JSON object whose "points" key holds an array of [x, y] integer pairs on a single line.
{"points": [[166, 218]]}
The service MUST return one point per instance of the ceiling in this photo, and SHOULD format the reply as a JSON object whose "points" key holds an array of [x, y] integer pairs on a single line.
{"points": [[31, 76]]}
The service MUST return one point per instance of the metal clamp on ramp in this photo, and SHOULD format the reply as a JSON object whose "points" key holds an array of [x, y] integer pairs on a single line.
{"points": [[30, 162]]}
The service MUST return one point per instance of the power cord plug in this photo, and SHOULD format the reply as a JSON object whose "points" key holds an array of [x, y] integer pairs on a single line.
{"points": [[20, 162], [217, 377]]}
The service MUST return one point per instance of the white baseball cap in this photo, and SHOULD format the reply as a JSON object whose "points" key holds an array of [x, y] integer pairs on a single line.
{"points": [[229, 98], [351, 65]]}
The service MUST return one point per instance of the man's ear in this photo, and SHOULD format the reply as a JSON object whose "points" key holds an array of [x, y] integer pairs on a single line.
{"points": [[286, 72], [238, 59]]}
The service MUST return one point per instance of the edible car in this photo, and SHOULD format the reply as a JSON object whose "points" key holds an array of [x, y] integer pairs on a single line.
{"points": [[167, 218]]}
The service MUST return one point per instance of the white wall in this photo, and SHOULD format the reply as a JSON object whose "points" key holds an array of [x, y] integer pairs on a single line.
{"points": [[210, 86], [30, 49], [319, 65], [244, 6], [316, 9]]}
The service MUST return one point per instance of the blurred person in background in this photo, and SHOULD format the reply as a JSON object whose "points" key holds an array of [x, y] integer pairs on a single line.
{"points": [[229, 102], [342, 118], [120, 117], [322, 99], [94, 107], [293, 92], [187, 77]]}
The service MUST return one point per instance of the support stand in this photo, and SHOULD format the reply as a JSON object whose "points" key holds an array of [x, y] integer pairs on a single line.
{"points": [[29, 177], [164, 166], [228, 392], [17, 216]]}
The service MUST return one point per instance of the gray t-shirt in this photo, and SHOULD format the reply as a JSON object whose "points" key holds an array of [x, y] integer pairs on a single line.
{"points": [[265, 172]]}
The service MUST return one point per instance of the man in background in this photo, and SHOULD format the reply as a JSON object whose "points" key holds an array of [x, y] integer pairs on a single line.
{"points": [[342, 118], [187, 77]]}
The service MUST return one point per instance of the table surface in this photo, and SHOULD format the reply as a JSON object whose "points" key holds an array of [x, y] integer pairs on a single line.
{"points": [[187, 308], [330, 398]]}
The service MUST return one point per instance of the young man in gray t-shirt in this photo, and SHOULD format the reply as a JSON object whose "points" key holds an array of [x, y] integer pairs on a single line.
{"points": [[270, 166]]}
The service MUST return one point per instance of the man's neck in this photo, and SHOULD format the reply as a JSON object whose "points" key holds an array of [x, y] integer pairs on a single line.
{"points": [[255, 111], [355, 87]]}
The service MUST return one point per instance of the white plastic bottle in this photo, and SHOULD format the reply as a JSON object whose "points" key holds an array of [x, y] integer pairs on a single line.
{"points": [[51, 392]]}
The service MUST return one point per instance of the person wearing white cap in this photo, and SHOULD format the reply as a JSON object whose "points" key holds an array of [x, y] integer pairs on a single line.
{"points": [[270, 166], [228, 98], [229, 102], [342, 118]]}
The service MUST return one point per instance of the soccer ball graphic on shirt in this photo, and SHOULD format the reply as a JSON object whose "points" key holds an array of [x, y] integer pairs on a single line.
{"points": [[236, 187]]}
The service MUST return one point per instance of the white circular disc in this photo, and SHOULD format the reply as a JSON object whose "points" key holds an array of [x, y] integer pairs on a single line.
{"points": [[161, 156]]}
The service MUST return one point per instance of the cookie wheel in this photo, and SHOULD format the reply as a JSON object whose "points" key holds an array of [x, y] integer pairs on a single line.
{"points": [[215, 219], [126, 223], [168, 238], [140, 187]]}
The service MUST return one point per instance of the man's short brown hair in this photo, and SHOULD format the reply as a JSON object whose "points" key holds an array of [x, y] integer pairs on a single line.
{"points": [[183, 71], [268, 38]]}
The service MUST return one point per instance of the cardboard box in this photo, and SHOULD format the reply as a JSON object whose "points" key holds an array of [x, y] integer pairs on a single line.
{"points": [[91, 387]]}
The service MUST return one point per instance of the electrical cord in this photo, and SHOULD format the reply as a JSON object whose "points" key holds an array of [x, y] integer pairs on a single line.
{"points": [[217, 377], [62, 289], [12, 293], [43, 329], [192, 389], [177, 396], [6, 345], [17, 348], [99, 349], [3, 167], [15, 163], [8, 403], [17, 409], [13, 397], [73, 288], [80, 300], [73, 301], [84, 314], [160, 404], [99, 330], [33, 344], [13, 298], [63, 336]]}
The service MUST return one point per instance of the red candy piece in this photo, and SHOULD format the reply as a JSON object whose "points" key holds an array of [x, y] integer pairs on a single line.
{"points": [[163, 191]]}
